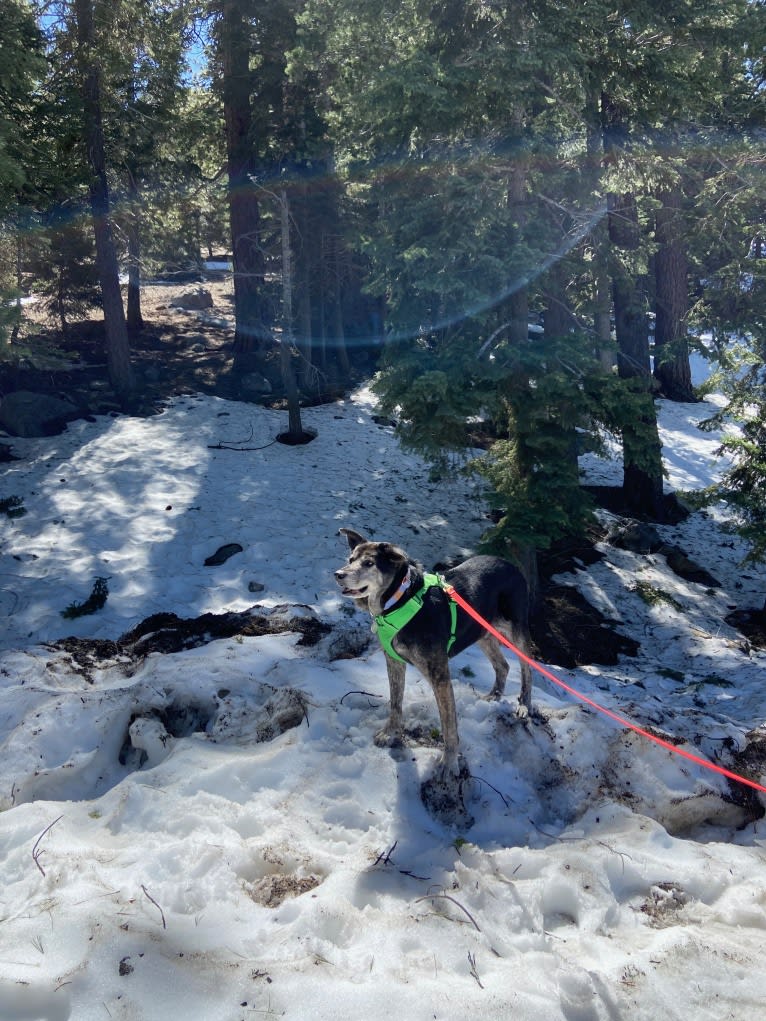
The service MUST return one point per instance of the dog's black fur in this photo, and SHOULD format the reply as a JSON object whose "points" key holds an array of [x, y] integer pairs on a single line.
{"points": [[496, 589]]}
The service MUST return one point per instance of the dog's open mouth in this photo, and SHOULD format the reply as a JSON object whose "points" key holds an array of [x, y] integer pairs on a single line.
{"points": [[355, 593]]}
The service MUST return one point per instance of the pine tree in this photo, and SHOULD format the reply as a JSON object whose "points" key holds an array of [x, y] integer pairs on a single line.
{"points": [[117, 344], [21, 67]]}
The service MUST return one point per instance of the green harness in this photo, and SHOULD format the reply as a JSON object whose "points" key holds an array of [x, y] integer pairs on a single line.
{"points": [[388, 625]]}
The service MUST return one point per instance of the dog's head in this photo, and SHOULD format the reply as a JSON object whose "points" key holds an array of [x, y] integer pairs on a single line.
{"points": [[371, 569]]}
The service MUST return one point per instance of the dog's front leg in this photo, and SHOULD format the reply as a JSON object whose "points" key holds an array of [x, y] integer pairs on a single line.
{"points": [[445, 701], [393, 733]]}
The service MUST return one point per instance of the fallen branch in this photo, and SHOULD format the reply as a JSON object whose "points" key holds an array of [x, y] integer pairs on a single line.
{"points": [[37, 850], [226, 446]]}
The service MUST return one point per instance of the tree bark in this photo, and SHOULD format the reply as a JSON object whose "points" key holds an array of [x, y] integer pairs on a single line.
{"points": [[557, 316], [252, 333], [303, 274], [295, 426], [518, 302], [338, 326], [641, 447], [671, 349], [135, 319], [117, 346]]}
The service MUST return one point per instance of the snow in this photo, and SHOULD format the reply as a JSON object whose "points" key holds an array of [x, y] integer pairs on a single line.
{"points": [[201, 871]]}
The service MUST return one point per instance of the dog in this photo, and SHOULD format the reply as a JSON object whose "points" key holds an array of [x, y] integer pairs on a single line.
{"points": [[382, 578]]}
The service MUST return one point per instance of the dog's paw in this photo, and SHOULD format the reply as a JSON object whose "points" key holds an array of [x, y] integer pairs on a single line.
{"points": [[389, 737], [444, 791], [493, 696], [523, 712]]}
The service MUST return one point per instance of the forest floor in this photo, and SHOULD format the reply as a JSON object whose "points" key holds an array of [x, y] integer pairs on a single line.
{"points": [[180, 352], [176, 352]]}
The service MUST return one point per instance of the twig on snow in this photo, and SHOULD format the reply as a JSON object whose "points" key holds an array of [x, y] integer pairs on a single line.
{"points": [[446, 896], [162, 913], [37, 850], [474, 973], [385, 856], [502, 797], [369, 694]]}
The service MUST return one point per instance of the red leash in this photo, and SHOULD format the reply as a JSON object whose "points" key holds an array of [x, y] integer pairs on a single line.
{"points": [[594, 705]]}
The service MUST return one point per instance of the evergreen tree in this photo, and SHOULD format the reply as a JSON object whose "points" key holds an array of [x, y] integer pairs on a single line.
{"points": [[117, 345], [235, 30], [21, 67]]}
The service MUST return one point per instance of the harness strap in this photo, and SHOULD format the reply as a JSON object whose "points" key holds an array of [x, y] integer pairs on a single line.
{"points": [[388, 625]]}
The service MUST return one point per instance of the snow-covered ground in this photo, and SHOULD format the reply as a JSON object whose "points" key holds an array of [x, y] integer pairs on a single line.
{"points": [[207, 872]]}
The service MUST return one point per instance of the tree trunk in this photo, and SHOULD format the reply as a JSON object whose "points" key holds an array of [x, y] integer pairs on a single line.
{"points": [[135, 319], [518, 302], [557, 316], [117, 346], [19, 278], [303, 274], [338, 327], [671, 349], [295, 426], [251, 334], [602, 299], [641, 447]]}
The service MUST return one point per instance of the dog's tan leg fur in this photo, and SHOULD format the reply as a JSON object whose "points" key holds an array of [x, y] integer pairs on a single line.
{"points": [[445, 700], [438, 675], [525, 692], [491, 649], [393, 732]]}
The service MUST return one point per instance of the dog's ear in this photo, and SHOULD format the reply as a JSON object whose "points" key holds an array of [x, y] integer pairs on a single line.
{"points": [[354, 538], [394, 554]]}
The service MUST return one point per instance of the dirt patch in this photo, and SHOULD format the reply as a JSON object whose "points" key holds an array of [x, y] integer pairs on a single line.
{"points": [[176, 352], [568, 631], [663, 905], [752, 624], [167, 633], [271, 891]]}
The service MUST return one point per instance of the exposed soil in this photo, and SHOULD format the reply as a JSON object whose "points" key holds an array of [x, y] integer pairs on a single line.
{"points": [[752, 624], [167, 633], [176, 352], [568, 631]]}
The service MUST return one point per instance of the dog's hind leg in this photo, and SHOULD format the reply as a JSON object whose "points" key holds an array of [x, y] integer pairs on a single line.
{"points": [[525, 691], [393, 733], [491, 649], [518, 635]]}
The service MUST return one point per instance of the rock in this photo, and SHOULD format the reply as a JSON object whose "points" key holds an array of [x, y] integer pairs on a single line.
{"points": [[687, 569], [351, 643], [193, 300], [24, 413], [222, 554], [636, 537], [253, 384]]}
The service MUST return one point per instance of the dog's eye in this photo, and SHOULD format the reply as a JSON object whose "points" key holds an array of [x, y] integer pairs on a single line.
{"points": [[368, 563]]}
